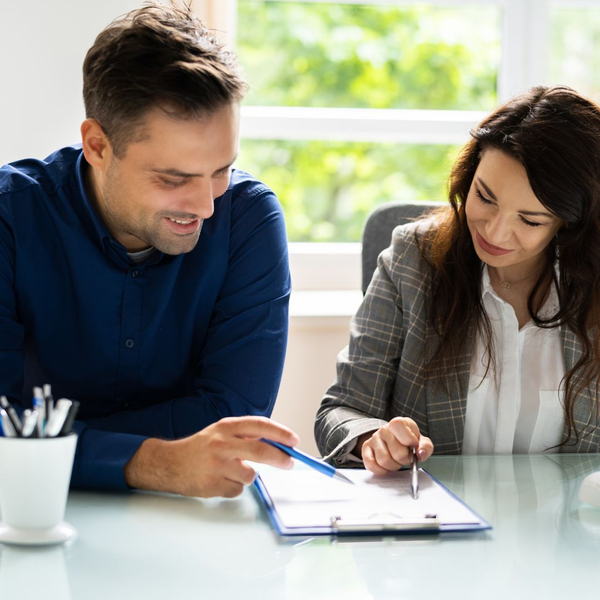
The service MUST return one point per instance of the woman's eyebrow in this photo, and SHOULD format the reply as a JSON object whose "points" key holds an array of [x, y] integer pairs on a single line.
{"points": [[530, 213], [533, 213], [487, 189]]}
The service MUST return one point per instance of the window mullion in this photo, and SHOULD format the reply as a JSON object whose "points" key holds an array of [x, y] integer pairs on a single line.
{"points": [[358, 125], [525, 35]]}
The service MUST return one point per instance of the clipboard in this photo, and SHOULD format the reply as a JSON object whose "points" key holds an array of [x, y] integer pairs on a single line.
{"points": [[302, 502]]}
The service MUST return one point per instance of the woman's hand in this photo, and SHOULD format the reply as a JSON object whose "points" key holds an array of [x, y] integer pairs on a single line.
{"points": [[390, 447]]}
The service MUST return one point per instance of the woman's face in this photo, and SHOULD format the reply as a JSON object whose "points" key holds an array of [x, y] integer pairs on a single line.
{"points": [[508, 224]]}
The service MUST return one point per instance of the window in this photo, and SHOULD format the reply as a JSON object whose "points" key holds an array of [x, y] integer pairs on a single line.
{"points": [[371, 55], [359, 62], [354, 103]]}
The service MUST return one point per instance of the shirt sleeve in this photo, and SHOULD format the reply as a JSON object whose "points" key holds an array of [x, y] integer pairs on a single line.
{"points": [[358, 401]]}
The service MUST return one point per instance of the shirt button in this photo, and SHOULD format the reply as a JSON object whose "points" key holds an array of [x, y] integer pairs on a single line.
{"points": [[135, 273], [129, 343]]}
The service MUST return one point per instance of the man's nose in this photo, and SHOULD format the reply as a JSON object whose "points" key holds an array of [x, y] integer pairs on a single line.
{"points": [[202, 202]]}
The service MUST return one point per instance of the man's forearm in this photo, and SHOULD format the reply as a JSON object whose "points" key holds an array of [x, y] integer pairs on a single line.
{"points": [[154, 466]]}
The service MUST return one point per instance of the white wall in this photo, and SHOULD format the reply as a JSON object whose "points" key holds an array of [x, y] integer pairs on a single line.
{"points": [[313, 344], [42, 47]]}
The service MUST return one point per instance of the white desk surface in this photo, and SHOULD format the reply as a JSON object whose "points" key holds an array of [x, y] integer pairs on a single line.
{"points": [[545, 545]]}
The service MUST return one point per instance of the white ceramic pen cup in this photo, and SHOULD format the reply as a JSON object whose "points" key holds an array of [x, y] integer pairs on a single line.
{"points": [[34, 484]]}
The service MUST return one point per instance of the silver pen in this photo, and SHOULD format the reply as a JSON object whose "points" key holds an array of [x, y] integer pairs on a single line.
{"points": [[59, 416], [414, 475], [7, 427], [30, 418], [12, 414]]}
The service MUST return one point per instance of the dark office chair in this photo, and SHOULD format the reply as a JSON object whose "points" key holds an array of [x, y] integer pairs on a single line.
{"points": [[379, 225]]}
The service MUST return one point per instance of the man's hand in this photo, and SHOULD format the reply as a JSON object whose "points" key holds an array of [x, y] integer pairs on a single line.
{"points": [[390, 447], [210, 462]]}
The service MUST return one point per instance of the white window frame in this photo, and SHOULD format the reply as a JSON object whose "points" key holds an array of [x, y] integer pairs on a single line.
{"points": [[524, 62]]}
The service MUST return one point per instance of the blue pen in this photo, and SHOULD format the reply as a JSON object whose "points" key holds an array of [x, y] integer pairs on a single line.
{"points": [[40, 406], [311, 461]]}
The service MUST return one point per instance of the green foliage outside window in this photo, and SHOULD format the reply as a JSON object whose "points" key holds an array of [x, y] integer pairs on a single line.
{"points": [[574, 44], [328, 188], [359, 56]]}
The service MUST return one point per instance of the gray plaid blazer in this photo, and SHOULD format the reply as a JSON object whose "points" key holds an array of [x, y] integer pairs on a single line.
{"points": [[381, 374]]}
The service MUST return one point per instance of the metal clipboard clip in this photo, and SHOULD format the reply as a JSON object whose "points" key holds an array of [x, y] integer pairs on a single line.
{"points": [[426, 522]]}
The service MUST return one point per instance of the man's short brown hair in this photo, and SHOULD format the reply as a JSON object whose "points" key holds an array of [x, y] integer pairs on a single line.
{"points": [[156, 56]]}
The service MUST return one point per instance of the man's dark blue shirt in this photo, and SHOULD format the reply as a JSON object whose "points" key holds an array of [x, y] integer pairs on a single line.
{"points": [[157, 349]]}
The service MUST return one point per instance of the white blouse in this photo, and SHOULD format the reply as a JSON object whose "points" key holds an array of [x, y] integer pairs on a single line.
{"points": [[519, 409]]}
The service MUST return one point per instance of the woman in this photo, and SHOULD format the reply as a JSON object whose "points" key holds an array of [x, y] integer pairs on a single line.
{"points": [[479, 331]]}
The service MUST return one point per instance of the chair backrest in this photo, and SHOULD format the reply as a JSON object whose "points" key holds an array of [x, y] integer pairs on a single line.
{"points": [[377, 233]]}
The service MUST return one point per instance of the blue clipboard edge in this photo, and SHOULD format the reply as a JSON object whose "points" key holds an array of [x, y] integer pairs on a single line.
{"points": [[282, 530], [274, 517]]}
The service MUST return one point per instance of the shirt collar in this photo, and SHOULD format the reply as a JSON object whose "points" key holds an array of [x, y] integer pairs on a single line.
{"points": [[486, 285], [100, 229], [549, 308]]}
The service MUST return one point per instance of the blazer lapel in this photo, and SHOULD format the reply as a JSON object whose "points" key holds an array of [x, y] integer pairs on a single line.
{"points": [[447, 401]]}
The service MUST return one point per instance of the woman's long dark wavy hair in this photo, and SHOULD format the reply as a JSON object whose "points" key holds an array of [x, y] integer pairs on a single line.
{"points": [[555, 134]]}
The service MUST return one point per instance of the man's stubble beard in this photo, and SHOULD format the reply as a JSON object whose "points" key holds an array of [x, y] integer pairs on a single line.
{"points": [[152, 236], [175, 246]]}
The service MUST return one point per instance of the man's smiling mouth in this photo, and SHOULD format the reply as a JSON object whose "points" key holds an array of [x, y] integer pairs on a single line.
{"points": [[181, 222]]}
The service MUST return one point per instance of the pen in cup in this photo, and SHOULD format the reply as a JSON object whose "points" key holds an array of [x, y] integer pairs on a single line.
{"points": [[7, 427], [45, 420], [12, 414], [62, 419], [48, 401], [59, 417], [40, 406], [30, 418], [71, 413]]}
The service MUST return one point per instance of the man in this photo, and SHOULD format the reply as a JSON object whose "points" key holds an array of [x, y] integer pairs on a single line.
{"points": [[143, 276]]}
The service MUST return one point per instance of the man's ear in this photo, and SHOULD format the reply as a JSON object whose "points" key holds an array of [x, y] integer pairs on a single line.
{"points": [[97, 148]]}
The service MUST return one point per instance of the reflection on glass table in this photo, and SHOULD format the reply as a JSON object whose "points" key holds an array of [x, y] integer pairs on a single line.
{"points": [[545, 544]]}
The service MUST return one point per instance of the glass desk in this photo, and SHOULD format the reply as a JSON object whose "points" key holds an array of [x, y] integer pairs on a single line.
{"points": [[545, 545]]}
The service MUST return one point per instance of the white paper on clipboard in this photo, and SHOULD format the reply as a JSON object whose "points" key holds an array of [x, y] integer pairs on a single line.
{"points": [[303, 500]]}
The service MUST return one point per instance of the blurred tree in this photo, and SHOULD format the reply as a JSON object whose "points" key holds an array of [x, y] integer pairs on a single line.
{"points": [[574, 35], [327, 189], [360, 56]]}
